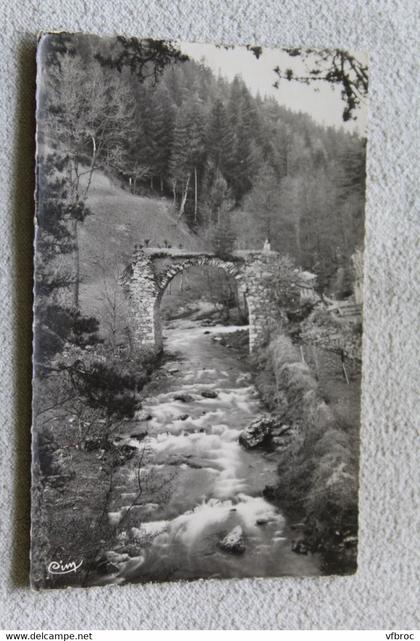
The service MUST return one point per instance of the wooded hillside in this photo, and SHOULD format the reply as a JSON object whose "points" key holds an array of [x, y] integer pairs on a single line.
{"points": [[234, 165]]}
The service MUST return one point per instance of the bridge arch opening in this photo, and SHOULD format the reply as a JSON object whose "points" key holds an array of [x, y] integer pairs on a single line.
{"points": [[146, 279], [208, 292]]}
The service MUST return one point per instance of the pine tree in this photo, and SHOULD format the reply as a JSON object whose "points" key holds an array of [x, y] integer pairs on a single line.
{"points": [[157, 118], [242, 119], [188, 154], [218, 202], [163, 130], [178, 161], [197, 149], [56, 324], [223, 238], [263, 202], [220, 142]]}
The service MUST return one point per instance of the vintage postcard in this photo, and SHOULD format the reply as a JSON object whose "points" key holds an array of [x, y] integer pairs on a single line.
{"points": [[197, 310]]}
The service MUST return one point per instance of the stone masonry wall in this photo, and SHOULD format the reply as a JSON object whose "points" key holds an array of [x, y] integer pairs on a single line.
{"points": [[141, 289], [263, 312], [150, 272]]}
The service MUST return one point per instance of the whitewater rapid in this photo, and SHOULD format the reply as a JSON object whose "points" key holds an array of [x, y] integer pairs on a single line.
{"points": [[199, 482]]}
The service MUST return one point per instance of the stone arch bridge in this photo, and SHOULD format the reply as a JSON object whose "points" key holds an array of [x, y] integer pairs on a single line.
{"points": [[152, 269]]}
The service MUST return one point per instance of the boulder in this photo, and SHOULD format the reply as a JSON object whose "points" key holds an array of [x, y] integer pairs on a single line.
{"points": [[234, 541], [184, 398], [280, 438], [257, 432], [139, 436], [209, 394], [143, 415], [115, 557], [269, 492], [281, 430], [103, 566], [171, 368]]}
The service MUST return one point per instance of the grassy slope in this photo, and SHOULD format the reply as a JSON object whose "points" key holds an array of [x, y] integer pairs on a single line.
{"points": [[120, 220]]}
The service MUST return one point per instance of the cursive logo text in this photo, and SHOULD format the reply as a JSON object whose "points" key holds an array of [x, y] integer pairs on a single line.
{"points": [[58, 567]]}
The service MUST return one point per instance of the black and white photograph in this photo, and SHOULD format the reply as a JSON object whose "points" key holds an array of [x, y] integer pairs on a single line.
{"points": [[198, 292]]}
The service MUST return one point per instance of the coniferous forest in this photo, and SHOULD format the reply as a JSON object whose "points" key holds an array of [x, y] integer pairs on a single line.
{"points": [[226, 159], [213, 430]]}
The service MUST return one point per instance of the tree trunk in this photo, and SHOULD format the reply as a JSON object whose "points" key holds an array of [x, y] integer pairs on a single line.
{"points": [[195, 195], [161, 184], [76, 264], [297, 237], [268, 227], [184, 199], [92, 165]]}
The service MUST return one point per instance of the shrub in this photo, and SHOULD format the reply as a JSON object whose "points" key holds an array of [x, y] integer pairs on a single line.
{"points": [[283, 351], [317, 471]]}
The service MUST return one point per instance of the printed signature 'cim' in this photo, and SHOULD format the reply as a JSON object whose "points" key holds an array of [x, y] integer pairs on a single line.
{"points": [[58, 567]]}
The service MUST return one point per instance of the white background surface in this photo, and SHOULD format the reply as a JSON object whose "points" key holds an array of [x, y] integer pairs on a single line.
{"points": [[384, 592]]}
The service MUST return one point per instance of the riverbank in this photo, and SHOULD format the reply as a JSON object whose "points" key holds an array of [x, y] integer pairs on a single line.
{"points": [[316, 453]]}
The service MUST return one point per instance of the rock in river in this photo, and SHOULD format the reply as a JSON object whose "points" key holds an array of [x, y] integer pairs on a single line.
{"points": [[209, 394], [138, 436], [233, 542], [184, 398], [143, 415], [171, 368], [257, 431]]}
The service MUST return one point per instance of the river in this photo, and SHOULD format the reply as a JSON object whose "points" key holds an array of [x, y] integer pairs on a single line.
{"points": [[199, 482]]}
